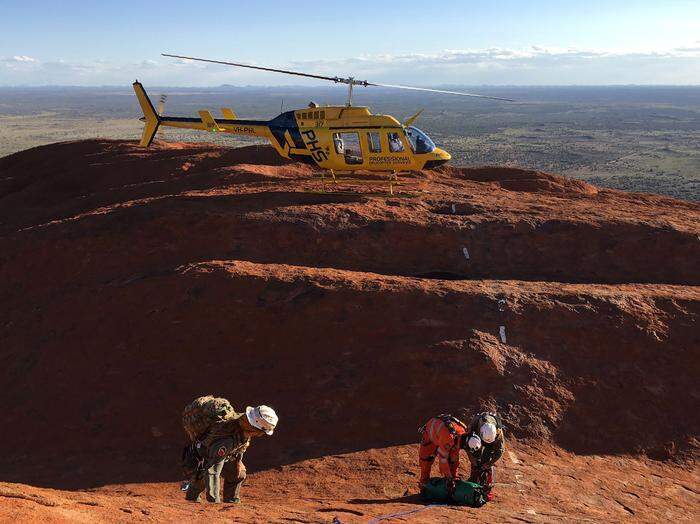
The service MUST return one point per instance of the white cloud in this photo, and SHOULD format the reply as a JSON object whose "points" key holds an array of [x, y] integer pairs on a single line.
{"points": [[17, 65], [18, 58], [496, 54], [529, 65]]}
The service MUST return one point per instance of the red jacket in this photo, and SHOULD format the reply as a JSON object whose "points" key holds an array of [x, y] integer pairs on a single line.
{"points": [[446, 440]]}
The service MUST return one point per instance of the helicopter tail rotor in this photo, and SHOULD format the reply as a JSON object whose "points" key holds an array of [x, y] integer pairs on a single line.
{"points": [[161, 111], [161, 104]]}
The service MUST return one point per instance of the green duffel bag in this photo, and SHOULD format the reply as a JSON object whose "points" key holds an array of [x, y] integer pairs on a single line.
{"points": [[466, 493], [469, 494], [435, 491]]}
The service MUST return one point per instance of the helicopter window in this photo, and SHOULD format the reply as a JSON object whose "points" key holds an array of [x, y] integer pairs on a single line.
{"points": [[316, 115], [375, 145], [348, 144], [395, 144], [420, 142]]}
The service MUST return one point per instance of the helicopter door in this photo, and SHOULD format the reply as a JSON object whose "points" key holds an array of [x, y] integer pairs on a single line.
{"points": [[348, 146]]}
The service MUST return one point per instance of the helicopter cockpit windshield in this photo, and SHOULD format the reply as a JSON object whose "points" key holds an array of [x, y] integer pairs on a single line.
{"points": [[420, 142]]}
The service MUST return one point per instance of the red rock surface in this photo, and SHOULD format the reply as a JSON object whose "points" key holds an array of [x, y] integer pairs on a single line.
{"points": [[134, 280]]}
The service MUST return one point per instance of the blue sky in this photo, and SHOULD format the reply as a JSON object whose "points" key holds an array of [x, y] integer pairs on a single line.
{"points": [[415, 42]]}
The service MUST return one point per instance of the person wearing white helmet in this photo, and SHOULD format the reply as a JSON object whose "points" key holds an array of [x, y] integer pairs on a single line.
{"points": [[222, 450], [262, 418], [486, 430]]}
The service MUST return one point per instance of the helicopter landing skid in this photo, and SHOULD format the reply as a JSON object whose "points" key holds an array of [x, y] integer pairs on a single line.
{"points": [[393, 181], [323, 179]]}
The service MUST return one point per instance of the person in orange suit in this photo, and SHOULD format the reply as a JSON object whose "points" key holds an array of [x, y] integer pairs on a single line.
{"points": [[442, 437]]}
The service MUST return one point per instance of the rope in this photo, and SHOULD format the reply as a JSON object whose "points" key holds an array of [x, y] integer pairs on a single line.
{"points": [[400, 514]]}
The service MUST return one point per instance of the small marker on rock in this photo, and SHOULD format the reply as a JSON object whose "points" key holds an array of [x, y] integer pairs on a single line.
{"points": [[454, 209], [465, 252], [502, 332]]}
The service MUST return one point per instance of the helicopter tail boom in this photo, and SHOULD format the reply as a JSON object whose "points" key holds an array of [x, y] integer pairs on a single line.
{"points": [[204, 122], [150, 116]]}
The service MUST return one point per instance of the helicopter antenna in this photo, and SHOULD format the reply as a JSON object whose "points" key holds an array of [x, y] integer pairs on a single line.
{"points": [[350, 81]]}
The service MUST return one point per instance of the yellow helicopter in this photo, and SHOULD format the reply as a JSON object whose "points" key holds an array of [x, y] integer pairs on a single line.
{"points": [[335, 138]]}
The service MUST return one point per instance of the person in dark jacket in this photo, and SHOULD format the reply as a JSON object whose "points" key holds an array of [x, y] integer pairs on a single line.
{"points": [[222, 452], [486, 447]]}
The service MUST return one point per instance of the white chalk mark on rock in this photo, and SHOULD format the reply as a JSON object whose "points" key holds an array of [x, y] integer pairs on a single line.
{"points": [[454, 209], [465, 252], [502, 332]]}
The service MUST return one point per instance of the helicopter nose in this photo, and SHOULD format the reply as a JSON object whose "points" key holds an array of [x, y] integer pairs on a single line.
{"points": [[440, 157], [441, 154]]}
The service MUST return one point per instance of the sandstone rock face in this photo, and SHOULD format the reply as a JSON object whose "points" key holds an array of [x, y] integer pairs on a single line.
{"points": [[132, 281]]}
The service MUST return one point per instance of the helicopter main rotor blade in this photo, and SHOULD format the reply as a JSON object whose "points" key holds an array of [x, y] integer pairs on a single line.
{"points": [[440, 91], [297, 73], [338, 80]]}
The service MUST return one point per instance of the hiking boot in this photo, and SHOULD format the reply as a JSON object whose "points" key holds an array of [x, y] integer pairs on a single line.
{"points": [[192, 496], [234, 500]]}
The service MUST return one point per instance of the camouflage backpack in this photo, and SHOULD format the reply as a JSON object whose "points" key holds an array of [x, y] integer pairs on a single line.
{"points": [[203, 412]]}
